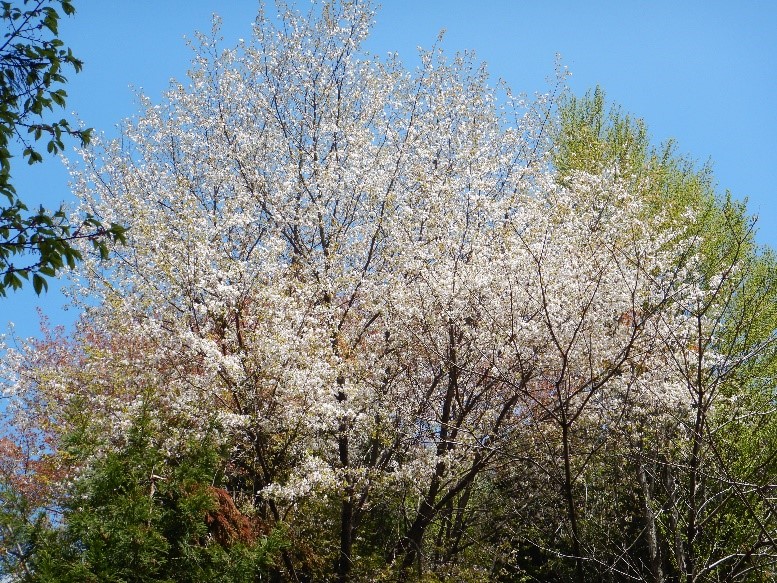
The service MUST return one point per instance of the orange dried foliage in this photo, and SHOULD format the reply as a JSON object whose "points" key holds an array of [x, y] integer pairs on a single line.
{"points": [[228, 525], [34, 475]]}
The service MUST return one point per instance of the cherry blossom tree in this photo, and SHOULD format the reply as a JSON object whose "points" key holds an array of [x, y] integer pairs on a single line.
{"points": [[380, 288]]}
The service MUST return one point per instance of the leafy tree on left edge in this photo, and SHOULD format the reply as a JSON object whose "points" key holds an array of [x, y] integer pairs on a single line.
{"points": [[32, 63]]}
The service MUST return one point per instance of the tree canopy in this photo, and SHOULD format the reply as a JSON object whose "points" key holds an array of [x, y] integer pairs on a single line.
{"points": [[376, 324], [33, 61]]}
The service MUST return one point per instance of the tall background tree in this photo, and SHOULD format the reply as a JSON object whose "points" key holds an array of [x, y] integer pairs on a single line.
{"points": [[33, 64]]}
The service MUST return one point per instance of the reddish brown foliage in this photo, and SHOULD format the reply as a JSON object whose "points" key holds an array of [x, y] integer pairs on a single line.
{"points": [[228, 525]]}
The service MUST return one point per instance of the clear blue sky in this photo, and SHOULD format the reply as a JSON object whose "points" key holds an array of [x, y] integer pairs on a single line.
{"points": [[703, 72]]}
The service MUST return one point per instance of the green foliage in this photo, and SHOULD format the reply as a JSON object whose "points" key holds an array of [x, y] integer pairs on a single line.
{"points": [[591, 139], [21, 527], [710, 475], [32, 64], [140, 514]]}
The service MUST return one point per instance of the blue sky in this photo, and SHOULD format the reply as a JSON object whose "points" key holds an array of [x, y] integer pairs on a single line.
{"points": [[701, 72]]}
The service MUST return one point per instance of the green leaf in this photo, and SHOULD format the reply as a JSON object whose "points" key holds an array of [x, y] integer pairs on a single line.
{"points": [[39, 284]]}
